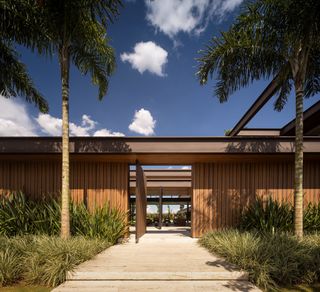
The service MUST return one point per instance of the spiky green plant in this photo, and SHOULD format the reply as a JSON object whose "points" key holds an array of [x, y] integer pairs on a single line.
{"points": [[44, 260], [267, 216], [106, 222], [311, 220], [10, 266], [19, 216], [272, 260], [274, 216]]}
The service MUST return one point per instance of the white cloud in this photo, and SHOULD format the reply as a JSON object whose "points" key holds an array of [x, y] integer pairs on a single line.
{"points": [[147, 56], [106, 132], [189, 16], [14, 119], [143, 123], [53, 126], [49, 125], [88, 123], [186, 167]]}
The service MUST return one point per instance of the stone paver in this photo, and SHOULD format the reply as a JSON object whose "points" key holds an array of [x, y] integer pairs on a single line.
{"points": [[167, 260]]}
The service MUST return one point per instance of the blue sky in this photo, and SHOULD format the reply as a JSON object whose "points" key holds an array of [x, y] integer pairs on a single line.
{"points": [[154, 90]]}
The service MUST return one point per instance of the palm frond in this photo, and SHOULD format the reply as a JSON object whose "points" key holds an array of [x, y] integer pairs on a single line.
{"points": [[312, 84], [92, 54], [20, 23], [237, 58], [284, 79], [260, 44], [14, 79]]}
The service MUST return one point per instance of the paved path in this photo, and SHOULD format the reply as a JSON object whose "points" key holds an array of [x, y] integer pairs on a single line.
{"points": [[167, 260]]}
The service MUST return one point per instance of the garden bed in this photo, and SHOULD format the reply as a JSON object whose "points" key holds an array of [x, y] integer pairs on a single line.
{"points": [[272, 260], [31, 251], [44, 260]]}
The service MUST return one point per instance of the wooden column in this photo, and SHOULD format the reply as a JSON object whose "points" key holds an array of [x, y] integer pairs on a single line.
{"points": [[141, 202], [160, 208]]}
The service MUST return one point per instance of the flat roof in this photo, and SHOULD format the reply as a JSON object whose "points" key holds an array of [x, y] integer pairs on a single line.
{"points": [[157, 150], [134, 145]]}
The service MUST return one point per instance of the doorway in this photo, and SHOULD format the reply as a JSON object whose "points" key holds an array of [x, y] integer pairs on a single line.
{"points": [[160, 199]]}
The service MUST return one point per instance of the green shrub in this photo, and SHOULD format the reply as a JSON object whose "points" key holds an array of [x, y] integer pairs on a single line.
{"points": [[105, 222], [311, 218], [270, 260], [44, 260], [19, 216], [10, 266], [273, 216]]}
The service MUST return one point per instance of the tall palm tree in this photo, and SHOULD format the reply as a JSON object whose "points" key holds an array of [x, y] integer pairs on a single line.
{"points": [[271, 39], [77, 32], [19, 25]]}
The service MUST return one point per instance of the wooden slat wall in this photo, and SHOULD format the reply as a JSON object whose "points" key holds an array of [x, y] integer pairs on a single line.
{"points": [[141, 202], [94, 183], [222, 190]]}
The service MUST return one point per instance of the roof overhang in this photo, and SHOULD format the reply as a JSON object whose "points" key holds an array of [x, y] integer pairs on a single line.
{"points": [[155, 150]]}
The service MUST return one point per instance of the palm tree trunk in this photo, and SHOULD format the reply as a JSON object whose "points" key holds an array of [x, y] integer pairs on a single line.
{"points": [[65, 192], [298, 182]]}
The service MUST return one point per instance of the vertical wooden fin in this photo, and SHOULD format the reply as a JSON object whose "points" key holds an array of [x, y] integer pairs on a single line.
{"points": [[141, 202]]}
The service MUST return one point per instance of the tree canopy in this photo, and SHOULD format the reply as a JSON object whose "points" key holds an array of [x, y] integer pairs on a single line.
{"points": [[80, 27], [266, 41], [20, 25]]}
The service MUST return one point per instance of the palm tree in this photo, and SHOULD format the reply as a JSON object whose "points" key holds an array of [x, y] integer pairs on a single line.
{"points": [[271, 39], [19, 25], [77, 32]]}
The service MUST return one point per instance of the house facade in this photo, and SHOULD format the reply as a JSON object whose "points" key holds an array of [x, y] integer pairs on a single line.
{"points": [[227, 173]]}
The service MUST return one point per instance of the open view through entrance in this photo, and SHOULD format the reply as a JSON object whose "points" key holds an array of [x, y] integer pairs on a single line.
{"points": [[160, 199]]}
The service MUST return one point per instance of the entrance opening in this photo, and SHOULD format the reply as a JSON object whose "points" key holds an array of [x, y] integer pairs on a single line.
{"points": [[168, 204]]}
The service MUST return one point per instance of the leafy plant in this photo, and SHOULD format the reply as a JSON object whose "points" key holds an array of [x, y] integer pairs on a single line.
{"points": [[106, 222], [44, 260], [267, 216], [274, 216], [311, 220], [19, 216], [10, 266], [271, 260]]}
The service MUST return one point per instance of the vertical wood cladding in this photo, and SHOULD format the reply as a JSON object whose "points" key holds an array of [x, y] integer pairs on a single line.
{"points": [[221, 190], [94, 183]]}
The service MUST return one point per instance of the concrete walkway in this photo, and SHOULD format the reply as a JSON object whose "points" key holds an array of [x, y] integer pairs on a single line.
{"points": [[166, 260]]}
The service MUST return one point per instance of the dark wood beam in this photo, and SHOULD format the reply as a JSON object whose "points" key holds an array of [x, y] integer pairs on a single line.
{"points": [[311, 118], [264, 97]]}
